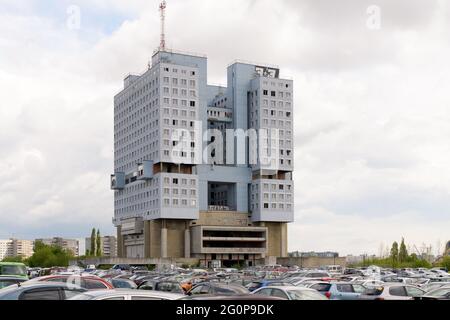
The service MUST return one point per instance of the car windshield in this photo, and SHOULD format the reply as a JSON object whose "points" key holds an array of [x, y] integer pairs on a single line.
{"points": [[13, 270], [305, 295]]}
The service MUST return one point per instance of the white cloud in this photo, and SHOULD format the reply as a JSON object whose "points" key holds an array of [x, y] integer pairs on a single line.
{"points": [[371, 111]]}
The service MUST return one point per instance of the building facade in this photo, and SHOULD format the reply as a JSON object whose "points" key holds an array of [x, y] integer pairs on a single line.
{"points": [[22, 248], [5, 249], [108, 245], [16, 248], [69, 244], [203, 171]]}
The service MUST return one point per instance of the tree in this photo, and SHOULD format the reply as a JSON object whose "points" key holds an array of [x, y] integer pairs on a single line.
{"points": [[394, 253], [49, 256], [13, 259], [92, 250], [403, 254], [98, 253], [446, 263]]}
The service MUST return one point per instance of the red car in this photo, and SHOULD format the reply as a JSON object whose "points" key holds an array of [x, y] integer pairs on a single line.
{"points": [[87, 282]]}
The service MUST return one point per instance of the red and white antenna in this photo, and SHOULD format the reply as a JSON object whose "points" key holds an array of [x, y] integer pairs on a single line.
{"points": [[162, 8]]}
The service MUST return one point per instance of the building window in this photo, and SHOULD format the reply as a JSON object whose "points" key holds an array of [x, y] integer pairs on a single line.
{"points": [[266, 206], [265, 92], [192, 103], [175, 181]]}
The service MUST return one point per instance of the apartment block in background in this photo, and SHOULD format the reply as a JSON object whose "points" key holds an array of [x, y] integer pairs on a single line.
{"points": [[68, 244], [108, 245]]}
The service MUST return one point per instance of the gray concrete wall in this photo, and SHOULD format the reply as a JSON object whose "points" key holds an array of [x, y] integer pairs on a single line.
{"points": [[155, 261], [311, 262]]}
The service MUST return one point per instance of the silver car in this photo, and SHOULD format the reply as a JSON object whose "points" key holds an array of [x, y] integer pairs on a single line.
{"points": [[290, 293], [127, 294], [392, 291]]}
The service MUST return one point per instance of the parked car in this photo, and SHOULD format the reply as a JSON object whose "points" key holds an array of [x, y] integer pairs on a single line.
{"points": [[6, 281], [165, 286], [303, 282], [434, 285], [439, 273], [264, 283], [438, 294], [351, 271], [40, 291], [143, 278], [123, 267], [125, 294], [339, 290], [217, 289], [370, 283], [252, 297], [119, 283], [15, 269], [397, 279], [88, 282], [392, 292], [290, 293]]}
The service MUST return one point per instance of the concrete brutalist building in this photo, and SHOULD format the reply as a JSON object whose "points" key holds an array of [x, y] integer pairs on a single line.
{"points": [[186, 181]]}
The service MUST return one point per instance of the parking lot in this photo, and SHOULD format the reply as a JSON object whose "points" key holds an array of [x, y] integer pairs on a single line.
{"points": [[125, 282]]}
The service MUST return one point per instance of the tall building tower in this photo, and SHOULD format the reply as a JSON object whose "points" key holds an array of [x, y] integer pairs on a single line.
{"points": [[203, 171]]}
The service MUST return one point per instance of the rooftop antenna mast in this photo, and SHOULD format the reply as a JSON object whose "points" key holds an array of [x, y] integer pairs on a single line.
{"points": [[162, 9]]}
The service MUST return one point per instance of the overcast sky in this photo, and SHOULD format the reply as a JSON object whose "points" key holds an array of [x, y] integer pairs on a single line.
{"points": [[372, 116]]}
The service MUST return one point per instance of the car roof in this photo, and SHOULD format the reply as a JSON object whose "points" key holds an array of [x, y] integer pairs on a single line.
{"points": [[218, 284], [232, 297], [151, 293], [37, 285], [11, 277], [12, 264], [91, 277], [289, 288]]}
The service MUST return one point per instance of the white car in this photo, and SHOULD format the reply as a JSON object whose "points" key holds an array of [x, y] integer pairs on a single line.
{"points": [[370, 283], [439, 273], [434, 285], [290, 293], [127, 294], [392, 291]]}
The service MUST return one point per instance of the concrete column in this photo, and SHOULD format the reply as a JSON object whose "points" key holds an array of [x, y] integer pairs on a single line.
{"points": [[147, 239], [283, 229], [203, 195], [120, 246], [163, 240], [187, 243], [242, 197]]}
